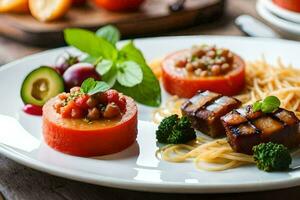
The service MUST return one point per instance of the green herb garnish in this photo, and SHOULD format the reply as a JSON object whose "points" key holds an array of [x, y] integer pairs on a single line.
{"points": [[110, 33], [90, 86], [268, 105], [124, 69]]}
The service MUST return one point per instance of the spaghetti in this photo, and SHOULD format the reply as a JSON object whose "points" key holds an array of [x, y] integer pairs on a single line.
{"points": [[262, 80]]}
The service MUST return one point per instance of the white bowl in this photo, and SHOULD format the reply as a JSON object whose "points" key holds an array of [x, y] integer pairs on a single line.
{"points": [[288, 28], [281, 12]]}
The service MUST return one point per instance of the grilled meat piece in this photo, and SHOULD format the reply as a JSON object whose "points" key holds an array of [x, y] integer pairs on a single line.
{"points": [[205, 109], [245, 128]]}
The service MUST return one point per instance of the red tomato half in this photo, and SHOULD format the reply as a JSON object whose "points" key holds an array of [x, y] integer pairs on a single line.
{"points": [[293, 5], [80, 138], [176, 81], [119, 5]]}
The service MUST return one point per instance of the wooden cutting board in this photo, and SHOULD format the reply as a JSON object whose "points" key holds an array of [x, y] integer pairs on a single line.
{"points": [[154, 17]]}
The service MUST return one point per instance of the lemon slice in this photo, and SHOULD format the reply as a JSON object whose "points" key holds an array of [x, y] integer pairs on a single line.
{"points": [[49, 10], [13, 6]]}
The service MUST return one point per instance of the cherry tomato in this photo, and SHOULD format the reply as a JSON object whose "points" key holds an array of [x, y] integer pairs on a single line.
{"points": [[33, 109], [119, 5]]}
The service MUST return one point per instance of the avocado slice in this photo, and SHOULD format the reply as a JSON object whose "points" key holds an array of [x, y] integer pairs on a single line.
{"points": [[40, 85]]}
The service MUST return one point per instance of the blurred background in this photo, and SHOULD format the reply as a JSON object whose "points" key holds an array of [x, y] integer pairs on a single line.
{"points": [[30, 26]]}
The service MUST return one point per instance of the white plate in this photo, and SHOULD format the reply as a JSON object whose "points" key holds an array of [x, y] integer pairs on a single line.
{"points": [[135, 168], [284, 25], [281, 12]]}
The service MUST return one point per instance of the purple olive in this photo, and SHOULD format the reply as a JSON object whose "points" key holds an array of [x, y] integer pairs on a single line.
{"points": [[76, 74], [65, 61]]}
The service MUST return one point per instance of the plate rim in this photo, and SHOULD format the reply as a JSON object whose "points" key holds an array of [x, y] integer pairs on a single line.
{"points": [[282, 12], [283, 24], [145, 185]]}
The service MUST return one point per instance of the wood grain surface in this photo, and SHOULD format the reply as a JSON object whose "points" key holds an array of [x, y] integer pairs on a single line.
{"points": [[18, 182], [153, 17]]}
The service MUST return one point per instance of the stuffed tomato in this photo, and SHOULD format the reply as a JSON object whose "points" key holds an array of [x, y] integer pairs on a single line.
{"points": [[90, 125], [203, 68]]}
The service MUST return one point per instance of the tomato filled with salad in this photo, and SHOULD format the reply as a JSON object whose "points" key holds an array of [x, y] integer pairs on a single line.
{"points": [[90, 124], [203, 68]]}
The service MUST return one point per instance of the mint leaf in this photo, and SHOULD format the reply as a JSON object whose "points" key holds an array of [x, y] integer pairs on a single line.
{"points": [[109, 33], [90, 86], [99, 87], [104, 66], [90, 59], [111, 76], [129, 74], [87, 85], [257, 106], [270, 104], [148, 91], [88, 42]]}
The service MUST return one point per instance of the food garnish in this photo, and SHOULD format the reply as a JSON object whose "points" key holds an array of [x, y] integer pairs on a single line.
{"points": [[123, 69], [76, 74], [272, 157], [65, 61], [40, 85], [91, 87], [175, 130], [33, 109], [268, 105]]}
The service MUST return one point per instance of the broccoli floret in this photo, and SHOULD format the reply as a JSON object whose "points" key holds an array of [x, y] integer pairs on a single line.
{"points": [[173, 130], [271, 157]]}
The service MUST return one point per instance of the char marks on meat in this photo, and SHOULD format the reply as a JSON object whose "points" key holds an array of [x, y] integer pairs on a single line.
{"points": [[245, 128], [205, 109]]}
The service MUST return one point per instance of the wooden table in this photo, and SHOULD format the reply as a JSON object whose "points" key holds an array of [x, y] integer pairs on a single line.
{"points": [[18, 182]]}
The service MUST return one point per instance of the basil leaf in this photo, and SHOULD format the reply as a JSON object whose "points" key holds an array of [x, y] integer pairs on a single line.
{"points": [[90, 59], [270, 104], [88, 42], [109, 33], [104, 66], [90, 86], [148, 91], [100, 86], [257, 106], [129, 74], [111, 76], [87, 85]]}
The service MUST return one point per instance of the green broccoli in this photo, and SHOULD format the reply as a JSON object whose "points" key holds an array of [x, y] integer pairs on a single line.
{"points": [[175, 130], [271, 157]]}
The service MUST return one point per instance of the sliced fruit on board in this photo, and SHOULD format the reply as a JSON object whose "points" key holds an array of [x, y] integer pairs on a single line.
{"points": [[119, 5], [49, 10], [18, 6]]}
